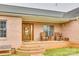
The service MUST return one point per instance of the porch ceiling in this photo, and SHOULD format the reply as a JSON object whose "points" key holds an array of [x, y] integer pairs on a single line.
{"points": [[44, 19]]}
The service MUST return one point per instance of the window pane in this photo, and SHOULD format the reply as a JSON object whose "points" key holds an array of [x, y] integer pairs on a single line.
{"points": [[4, 24], [0, 33], [45, 27], [4, 33], [48, 29]]}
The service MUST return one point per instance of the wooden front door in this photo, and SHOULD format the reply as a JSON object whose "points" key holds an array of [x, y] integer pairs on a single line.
{"points": [[27, 32]]}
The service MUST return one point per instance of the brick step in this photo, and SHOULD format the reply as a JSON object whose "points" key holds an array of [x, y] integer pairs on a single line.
{"points": [[5, 54], [30, 52], [25, 47], [39, 42], [36, 43], [30, 46], [30, 49]]}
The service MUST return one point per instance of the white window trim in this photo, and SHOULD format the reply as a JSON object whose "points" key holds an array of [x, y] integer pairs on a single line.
{"points": [[2, 38]]}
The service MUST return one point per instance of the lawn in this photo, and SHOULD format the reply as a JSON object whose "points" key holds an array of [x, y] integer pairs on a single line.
{"points": [[61, 51]]}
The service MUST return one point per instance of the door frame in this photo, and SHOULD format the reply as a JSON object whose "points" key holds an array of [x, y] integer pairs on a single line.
{"points": [[32, 34]]}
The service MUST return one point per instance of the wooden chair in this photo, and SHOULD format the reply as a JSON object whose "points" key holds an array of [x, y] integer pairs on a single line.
{"points": [[58, 36], [66, 39], [43, 36]]}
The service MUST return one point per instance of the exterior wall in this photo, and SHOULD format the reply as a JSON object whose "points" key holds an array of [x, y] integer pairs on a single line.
{"points": [[38, 27], [71, 30], [14, 30], [57, 28]]}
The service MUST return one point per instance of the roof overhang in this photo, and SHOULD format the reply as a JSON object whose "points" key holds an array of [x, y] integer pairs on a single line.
{"points": [[31, 18], [36, 18]]}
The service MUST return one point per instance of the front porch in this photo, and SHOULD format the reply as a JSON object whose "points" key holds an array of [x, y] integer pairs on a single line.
{"points": [[40, 28], [39, 36], [36, 38]]}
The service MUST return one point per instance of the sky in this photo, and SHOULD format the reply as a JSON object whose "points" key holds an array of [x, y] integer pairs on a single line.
{"points": [[63, 7]]}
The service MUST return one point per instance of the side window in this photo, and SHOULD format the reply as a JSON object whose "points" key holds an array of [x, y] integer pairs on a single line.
{"points": [[2, 28]]}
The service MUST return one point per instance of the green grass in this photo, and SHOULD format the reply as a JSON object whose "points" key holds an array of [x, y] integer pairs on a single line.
{"points": [[61, 51]]}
